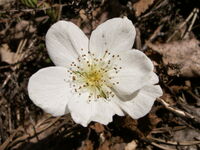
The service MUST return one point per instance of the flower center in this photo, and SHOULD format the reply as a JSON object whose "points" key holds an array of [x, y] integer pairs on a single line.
{"points": [[94, 75], [93, 78]]}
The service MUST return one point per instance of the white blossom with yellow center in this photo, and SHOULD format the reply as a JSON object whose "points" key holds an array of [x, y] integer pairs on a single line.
{"points": [[97, 78]]}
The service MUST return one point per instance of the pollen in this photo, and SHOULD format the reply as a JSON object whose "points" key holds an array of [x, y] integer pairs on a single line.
{"points": [[95, 75]]}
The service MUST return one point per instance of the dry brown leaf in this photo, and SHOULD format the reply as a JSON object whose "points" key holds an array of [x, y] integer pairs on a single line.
{"points": [[99, 128], [105, 146], [131, 146], [2, 2], [177, 88], [20, 29], [141, 6], [183, 54], [118, 146], [154, 120], [83, 15], [187, 134], [86, 145], [6, 55]]}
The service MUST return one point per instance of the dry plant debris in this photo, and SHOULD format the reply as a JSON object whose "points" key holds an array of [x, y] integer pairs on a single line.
{"points": [[6, 54], [141, 6], [172, 31], [184, 54]]}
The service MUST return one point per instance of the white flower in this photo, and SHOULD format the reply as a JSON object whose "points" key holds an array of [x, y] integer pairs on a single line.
{"points": [[97, 78]]}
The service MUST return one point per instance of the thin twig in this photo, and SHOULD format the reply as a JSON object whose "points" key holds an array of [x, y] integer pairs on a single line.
{"points": [[31, 10], [152, 37], [194, 120], [182, 24], [196, 11], [182, 143], [177, 111], [161, 147]]}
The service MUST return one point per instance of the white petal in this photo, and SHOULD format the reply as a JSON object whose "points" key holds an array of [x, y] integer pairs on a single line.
{"points": [[112, 35], [105, 110], [136, 72], [141, 104], [49, 90], [154, 79], [83, 112], [64, 41]]}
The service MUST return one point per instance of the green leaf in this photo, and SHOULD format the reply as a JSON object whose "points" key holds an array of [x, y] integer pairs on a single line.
{"points": [[30, 3], [51, 12]]}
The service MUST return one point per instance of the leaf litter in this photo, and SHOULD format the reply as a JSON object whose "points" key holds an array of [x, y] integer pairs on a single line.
{"points": [[168, 33], [184, 54]]}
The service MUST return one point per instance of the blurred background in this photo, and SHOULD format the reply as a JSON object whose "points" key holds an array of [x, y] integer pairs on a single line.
{"points": [[168, 31]]}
